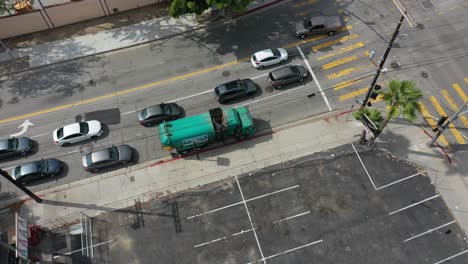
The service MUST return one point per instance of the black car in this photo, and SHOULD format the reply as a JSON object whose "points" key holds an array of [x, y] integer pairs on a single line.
{"points": [[235, 89], [37, 170], [287, 75], [159, 113], [15, 147]]}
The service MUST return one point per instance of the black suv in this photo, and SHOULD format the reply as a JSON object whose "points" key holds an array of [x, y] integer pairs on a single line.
{"points": [[235, 89], [287, 75]]}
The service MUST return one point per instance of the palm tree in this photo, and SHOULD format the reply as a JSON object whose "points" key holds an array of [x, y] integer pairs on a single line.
{"points": [[401, 98], [373, 114]]}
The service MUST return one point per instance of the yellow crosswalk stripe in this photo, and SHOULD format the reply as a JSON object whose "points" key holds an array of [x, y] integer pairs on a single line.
{"points": [[346, 72], [460, 91], [342, 50], [334, 42], [305, 41], [352, 94], [342, 61], [452, 128], [432, 123], [454, 106], [345, 84]]}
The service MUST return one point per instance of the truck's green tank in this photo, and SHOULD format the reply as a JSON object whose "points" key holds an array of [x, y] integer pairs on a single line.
{"points": [[198, 131]]}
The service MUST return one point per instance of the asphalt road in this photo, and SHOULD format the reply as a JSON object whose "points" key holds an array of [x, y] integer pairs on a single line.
{"points": [[112, 87], [320, 209]]}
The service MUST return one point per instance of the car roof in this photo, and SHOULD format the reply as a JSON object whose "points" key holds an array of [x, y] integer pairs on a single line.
{"points": [[320, 20], [229, 86], [100, 155], [30, 168], [154, 110], [260, 55], [281, 72], [71, 129]]}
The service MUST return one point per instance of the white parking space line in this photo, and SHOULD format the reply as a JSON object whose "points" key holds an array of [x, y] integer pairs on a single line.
{"points": [[40, 135], [291, 217], [409, 206], [364, 166], [271, 96], [428, 231], [451, 257], [404, 179], [248, 200], [259, 76], [223, 238], [289, 251], [250, 220], [315, 78], [129, 112]]}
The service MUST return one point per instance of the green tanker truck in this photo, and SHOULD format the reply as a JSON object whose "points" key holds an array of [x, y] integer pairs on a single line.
{"points": [[198, 131]]}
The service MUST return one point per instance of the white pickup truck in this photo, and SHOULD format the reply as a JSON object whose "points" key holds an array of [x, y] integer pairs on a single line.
{"points": [[319, 25]]}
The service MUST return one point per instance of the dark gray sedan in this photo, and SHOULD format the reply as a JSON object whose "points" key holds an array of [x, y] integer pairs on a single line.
{"points": [[157, 114], [287, 75], [12, 147], [234, 90], [37, 170], [107, 157]]}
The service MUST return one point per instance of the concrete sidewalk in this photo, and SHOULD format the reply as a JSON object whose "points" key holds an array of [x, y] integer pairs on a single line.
{"points": [[118, 38]]}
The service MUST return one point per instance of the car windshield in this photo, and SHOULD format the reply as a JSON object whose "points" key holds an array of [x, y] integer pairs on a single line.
{"points": [[114, 153], [84, 128], [254, 58], [166, 109], [13, 143], [17, 171], [42, 166], [144, 113], [276, 52], [60, 133], [89, 159], [307, 23], [295, 70]]}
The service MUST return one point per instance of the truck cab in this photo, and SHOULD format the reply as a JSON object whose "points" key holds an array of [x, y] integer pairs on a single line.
{"points": [[319, 25]]}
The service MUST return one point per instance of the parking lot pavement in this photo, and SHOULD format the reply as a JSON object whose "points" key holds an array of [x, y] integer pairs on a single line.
{"points": [[339, 206]]}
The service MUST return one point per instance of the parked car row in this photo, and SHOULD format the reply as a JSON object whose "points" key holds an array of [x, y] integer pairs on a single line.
{"points": [[153, 115]]}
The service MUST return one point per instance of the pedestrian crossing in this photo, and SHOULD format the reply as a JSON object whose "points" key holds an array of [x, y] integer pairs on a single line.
{"points": [[349, 68], [345, 66]]}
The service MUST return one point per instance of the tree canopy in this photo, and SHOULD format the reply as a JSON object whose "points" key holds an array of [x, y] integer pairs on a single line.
{"points": [[5, 5], [181, 7]]}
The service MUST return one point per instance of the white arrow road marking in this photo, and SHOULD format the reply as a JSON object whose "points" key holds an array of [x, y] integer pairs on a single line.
{"points": [[24, 126]]}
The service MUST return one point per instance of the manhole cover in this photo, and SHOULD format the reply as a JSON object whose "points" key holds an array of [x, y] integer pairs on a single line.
{"points": [[426, 4], [424, 75], [269, 89], [226, 73], [395, 65]]}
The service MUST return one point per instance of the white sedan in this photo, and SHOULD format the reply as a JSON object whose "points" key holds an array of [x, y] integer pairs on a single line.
{"points": [[269, 57], [77, 132]]}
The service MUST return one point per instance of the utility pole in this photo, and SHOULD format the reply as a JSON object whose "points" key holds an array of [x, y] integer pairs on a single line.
{"points": [[382, 63], [20, 186], [450, 121]]}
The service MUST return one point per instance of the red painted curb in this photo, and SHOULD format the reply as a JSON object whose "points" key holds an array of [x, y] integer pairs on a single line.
{"points": [[161, 162], [441, 148], [256, 8]]}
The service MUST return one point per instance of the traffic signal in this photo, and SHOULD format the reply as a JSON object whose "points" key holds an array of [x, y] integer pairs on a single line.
{"points": [[440, 123], [375, 92]]}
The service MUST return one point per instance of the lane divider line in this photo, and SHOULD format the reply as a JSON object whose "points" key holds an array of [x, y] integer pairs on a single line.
{"points": [[315, 78]]}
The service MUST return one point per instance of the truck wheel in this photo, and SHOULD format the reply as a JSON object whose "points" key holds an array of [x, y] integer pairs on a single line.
{"points": [[331, 33], [302, 36]]}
